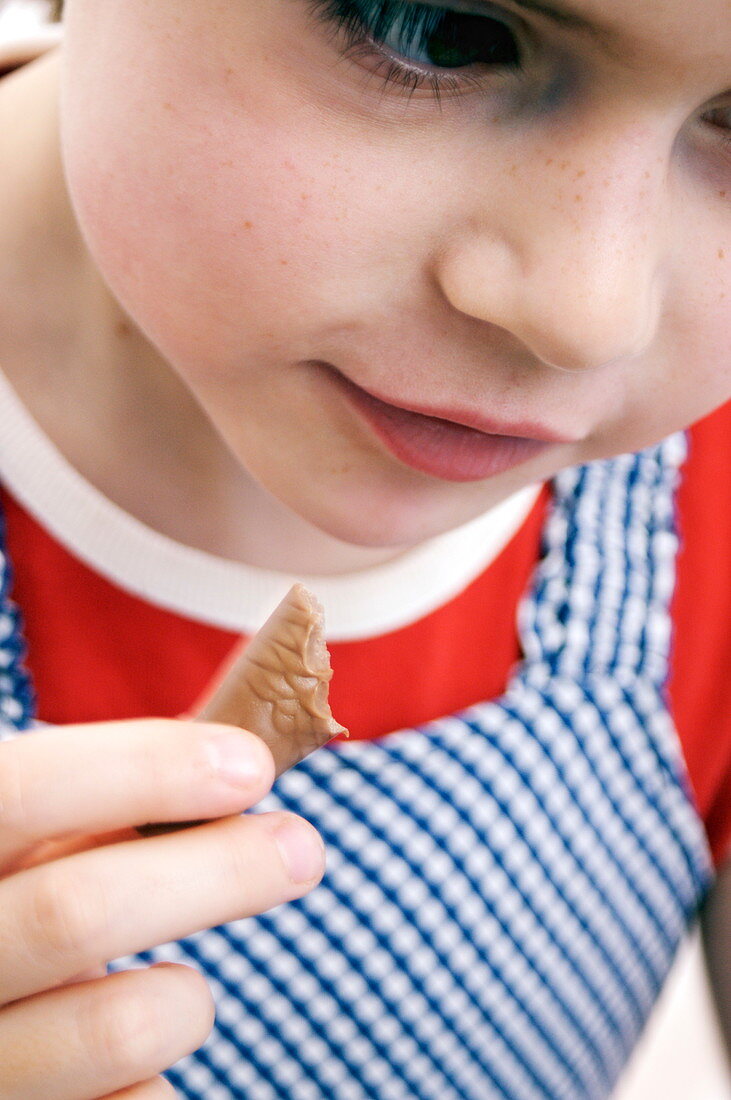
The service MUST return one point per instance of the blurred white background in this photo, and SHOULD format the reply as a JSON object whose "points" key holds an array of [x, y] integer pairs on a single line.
{"points": [[681, 1056], [22, 17]]}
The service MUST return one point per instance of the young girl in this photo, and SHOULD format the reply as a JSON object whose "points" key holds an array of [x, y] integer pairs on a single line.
{"points": [[414, 302]]}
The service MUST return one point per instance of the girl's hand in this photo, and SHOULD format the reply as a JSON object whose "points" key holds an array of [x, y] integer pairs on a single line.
{"points": [[79, 886]]}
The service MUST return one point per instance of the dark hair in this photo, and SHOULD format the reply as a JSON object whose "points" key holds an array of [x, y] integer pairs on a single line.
{"points": [[56, 9]]}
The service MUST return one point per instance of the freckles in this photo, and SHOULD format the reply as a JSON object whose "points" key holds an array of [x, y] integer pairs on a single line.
{"points": [[722, 268]]}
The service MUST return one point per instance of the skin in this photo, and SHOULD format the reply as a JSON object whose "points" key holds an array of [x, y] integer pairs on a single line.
{"points": [[554, 250], [583, 310]]}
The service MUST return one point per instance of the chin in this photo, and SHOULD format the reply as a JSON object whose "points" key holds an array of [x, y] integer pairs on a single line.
{"points": [[365, 528], [375, 522]]}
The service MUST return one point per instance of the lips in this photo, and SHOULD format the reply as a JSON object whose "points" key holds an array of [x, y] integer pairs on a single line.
{"points": [[440, 443]]}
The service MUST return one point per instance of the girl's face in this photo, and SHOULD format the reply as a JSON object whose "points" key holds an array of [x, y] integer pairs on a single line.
{"points": [[513, 215]]}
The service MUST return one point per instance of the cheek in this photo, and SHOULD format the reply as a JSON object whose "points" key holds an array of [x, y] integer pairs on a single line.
{"points": [[701, 328], [217, 212], [688, 374]]}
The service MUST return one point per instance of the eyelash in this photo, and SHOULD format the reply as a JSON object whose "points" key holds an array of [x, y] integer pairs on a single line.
{"points": [[364, 22]]}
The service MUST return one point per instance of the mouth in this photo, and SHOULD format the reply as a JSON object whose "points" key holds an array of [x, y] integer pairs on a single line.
{"points": [[450, 444]]}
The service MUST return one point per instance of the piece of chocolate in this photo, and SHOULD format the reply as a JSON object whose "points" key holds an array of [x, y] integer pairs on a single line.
{"points": [[276, 686]]}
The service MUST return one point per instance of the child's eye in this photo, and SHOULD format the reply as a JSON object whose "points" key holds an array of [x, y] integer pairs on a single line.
{"points": [[422, 43]]}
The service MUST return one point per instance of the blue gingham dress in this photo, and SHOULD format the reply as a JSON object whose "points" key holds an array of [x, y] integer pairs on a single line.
{"points": [[507, 887]]}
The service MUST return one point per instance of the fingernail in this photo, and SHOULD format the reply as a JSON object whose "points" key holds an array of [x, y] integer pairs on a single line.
{"points": [[233, 759], [301, 849]]}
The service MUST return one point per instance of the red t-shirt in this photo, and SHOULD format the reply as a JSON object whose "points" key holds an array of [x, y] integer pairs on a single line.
{"points": [[98, 653]]}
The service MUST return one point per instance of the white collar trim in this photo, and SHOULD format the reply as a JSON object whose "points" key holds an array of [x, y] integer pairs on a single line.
{"points": [[224, 593]]}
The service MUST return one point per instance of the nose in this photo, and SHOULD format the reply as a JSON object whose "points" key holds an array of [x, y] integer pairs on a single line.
{"points": [[567, 260]]}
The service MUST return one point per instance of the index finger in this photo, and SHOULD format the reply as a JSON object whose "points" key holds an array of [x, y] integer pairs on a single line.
{"points": [[101, 777]]}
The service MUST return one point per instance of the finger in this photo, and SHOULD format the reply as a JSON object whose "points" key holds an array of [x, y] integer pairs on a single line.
{"points": [[49, 850], [60, 919], [86, 975], [87, 1041], [97, 778], [158, 1088]]}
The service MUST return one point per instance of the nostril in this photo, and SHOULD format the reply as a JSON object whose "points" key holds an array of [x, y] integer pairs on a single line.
{"points": [[578, 304], [593, 336]]}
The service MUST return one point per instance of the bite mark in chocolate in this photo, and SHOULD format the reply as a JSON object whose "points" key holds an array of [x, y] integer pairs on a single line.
{"points": [[277, 686]]}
